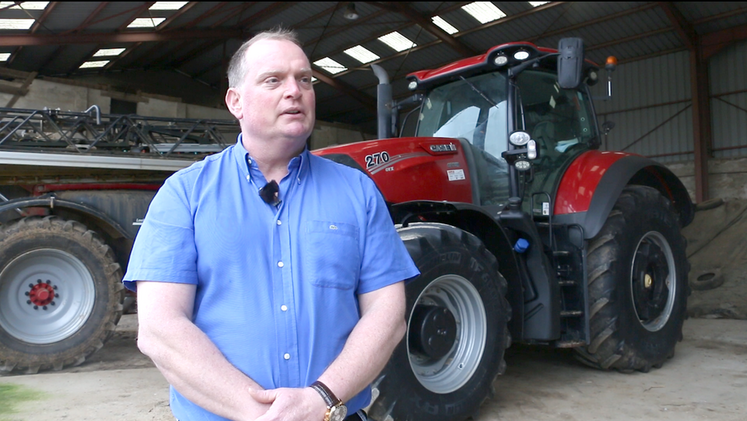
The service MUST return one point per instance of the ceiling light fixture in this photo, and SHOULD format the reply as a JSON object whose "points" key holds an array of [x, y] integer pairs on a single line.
{"points": [[350, 13]]}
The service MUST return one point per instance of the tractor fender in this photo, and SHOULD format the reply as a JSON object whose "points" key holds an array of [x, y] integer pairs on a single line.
{"points": [[496, 238], [101, 220], [593, 182]]}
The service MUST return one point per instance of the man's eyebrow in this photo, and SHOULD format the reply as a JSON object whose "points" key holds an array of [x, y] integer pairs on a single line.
{"points": [[268, 73]]}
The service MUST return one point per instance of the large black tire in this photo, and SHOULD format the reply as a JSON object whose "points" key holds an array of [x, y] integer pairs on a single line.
{"points": [[457, 314], [60, 294], [637, 271]]}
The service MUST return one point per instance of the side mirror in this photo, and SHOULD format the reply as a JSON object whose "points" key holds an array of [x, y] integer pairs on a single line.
{"points": [[607, 127], [570, 62]]}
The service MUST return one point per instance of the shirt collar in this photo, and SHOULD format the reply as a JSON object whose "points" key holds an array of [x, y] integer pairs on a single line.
{"points": [[298, 166]]}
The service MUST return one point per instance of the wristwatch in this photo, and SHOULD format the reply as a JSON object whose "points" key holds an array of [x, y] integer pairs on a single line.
{"points": [[336, 410]]}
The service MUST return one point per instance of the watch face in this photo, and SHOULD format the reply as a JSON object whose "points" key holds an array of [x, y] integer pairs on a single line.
{"points": [[338, 413]]}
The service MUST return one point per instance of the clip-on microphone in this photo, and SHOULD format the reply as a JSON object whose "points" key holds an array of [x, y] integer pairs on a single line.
{"points": [[269, 193]]}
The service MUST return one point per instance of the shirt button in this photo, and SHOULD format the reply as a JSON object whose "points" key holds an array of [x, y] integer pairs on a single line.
{"points": [[248, 161], [280, 264], [279, 222], [248, 177], [287, 356], [284, 307]]}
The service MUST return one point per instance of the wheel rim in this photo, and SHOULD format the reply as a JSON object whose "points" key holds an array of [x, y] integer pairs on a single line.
{"points": [[653, 281], [448, 371], [46, 296]]}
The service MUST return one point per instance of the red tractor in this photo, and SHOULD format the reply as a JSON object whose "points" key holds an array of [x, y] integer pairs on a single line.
{"points": [[522, 229]]}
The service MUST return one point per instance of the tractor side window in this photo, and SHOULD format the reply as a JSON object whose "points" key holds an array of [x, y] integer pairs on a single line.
{"points": [[559, 120]]}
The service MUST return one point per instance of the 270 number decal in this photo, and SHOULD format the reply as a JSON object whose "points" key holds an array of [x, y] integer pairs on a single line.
{"points": [[376, 159]]}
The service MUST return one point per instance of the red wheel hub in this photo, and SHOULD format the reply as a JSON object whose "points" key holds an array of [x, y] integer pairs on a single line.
{"points": [[41, 294]]}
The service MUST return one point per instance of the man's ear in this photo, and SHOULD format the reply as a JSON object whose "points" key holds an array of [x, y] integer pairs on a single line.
{"points": [[233, 102]]}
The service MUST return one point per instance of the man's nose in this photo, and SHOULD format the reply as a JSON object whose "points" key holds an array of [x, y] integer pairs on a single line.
{"points": [[292, 90]]}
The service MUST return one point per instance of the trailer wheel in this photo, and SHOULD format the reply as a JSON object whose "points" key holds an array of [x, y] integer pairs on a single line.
{"points": [[637, 284], [456, 330], [60, 294]]}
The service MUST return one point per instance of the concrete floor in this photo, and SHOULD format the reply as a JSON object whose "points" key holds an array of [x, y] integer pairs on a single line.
{"points": [[706, 381]]}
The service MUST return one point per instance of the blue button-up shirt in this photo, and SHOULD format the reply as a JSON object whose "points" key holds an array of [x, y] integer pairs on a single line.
{"points": [[277, 285]]}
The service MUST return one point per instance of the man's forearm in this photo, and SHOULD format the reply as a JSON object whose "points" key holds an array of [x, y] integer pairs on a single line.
{"points": [[370, 344], [187, 358], [195, 367]]}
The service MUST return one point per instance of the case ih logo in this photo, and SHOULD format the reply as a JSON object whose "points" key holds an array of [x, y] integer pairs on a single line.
{"points": [[444, 148]]}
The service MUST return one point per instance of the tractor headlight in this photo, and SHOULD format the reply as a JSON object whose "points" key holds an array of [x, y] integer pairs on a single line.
{"points": [[522, 165], [500, 60], [519, 138]]}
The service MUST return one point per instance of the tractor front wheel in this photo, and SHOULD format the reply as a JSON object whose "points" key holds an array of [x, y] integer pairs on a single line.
{"points": [[456, 330]]}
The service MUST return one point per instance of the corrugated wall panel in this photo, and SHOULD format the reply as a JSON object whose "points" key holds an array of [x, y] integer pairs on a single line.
{"points": [[651, 108], [729, 101]]}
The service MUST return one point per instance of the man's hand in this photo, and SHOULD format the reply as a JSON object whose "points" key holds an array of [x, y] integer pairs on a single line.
{"points": [[291, 404]]}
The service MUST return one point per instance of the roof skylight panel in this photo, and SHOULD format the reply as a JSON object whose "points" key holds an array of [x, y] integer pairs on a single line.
{"points": [[167, 5], [361, 54], [145, 22], [16, 23], [538, 3], [4, 56], [483, 11], [108, 52], [397, 41], [446, 26], [93, 64], [26, 5], [330, 65]]}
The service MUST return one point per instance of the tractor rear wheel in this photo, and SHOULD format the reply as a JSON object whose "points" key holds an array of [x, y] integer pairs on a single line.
{"points": [[60, 294], [457, 318], [637, 284]]}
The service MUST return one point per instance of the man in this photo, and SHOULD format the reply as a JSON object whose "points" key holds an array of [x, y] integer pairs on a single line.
{"points": [[250, 292]]}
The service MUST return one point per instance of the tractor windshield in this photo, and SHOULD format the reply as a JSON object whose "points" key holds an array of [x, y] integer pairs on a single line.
{"points": [[473, 109]]}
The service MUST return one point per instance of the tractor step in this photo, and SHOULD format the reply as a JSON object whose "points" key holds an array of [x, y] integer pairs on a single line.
{"points": [[569, 344], [571, 313]]}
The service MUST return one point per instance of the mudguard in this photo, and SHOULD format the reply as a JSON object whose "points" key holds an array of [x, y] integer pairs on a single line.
{"points": [[116, 217], [594, 181]]}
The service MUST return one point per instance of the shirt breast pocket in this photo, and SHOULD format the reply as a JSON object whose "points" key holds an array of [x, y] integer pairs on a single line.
{"points": [[332, 254]]}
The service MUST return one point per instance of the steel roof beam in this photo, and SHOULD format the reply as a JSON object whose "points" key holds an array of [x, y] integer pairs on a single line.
{"points": [[683, 28], [102, 38], [35, 27], [367, 101], [264, 14], [429, 26], [701, 103]]}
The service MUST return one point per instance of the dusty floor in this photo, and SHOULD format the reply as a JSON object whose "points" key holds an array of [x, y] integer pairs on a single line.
{"points": [[706, 380]]}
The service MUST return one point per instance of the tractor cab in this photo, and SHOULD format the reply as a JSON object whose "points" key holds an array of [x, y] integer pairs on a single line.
{"points": [[512, 88], [559, 121]]}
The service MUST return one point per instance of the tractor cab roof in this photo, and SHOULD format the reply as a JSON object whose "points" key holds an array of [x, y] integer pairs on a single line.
{"points": [[503, 56]]}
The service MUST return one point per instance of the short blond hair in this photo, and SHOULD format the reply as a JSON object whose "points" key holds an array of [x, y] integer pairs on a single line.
{"points": [[237, 67]]}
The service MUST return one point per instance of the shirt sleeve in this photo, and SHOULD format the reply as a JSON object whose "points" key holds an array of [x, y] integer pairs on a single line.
{"points": [[164, 248], [385, 259]]}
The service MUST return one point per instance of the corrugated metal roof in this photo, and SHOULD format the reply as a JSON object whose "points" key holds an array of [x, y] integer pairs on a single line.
{"points": [[191, 44]]}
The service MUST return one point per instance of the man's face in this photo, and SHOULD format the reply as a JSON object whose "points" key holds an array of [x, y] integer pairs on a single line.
{"points": [[275, 101]]}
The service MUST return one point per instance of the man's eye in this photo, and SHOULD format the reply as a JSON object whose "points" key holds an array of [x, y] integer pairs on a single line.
{"points": [[273, 80]]}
